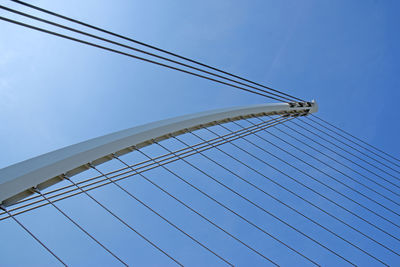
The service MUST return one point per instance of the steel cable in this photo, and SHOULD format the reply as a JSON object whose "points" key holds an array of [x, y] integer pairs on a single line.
{"points": [[322, 131], [348, 152], [286, 205], [232, 211], [80, 227], [377, 149], [179, 177], [216, 141], [312, 177], [162, 217], [378, 161], [131, 55], [325, 173], [138, 50], [149, 46], [196, 212], [337, 161], [314, 191], [121, 220], [302, 198], [32, 235]]}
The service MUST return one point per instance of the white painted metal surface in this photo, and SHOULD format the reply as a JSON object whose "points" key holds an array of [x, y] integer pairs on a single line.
{"points": [[16, 181]]}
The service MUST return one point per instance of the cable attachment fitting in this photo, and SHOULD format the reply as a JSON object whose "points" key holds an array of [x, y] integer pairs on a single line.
{"points": [[306, 107], [3, 208], [66, 177], [300, 104], [305, 113], [36, 190]]}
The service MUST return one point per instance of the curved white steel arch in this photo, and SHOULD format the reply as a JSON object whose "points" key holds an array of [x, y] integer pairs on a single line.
{"points": [[17, 181]]}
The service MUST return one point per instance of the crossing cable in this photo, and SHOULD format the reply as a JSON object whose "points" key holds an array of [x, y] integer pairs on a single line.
{"points": [[182, 203], [397, 178], [150, 46], [133, 56], [119, 218], [162, 217], [333, 216], [136, 49], [32, 235], [300, 197], [309, 188], [348, 152], [162, 160], [262, 209], [311, 176], [215, 141], [323, 126], [159, 215], [335, 160], [340, 155], [343, 131], [202, 216], [283, 203], [80, 227], [233, 212], [325, 173], [348, 139]]}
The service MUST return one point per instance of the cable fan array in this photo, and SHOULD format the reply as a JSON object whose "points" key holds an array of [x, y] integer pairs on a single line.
{"points": [[267, 190], [338, 208]]}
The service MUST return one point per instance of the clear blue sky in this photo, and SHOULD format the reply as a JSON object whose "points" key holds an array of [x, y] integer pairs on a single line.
{"points": [[54, 92]]}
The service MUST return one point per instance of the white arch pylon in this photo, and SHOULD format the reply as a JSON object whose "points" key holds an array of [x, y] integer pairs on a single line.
{"points": [[17, 181]]}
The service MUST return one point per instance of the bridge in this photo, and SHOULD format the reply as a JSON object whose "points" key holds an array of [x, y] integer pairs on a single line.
{"points": [[269, 184]]}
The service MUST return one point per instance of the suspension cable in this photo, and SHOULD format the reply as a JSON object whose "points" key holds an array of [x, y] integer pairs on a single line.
{"points": [[343, 131], [159, 215], [260, 208], [312, 177], [352, 147], [340, 155], [232, 211], [80, 227], [138, 50], [32, 235], [142, 168], [208, 220], [148, 180], [300, 197], [150, 46], [345, 150], [120, 219], [337, 161], [323, 172], [185, 205], [309, 188], [283, 203], [133, 56]]}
